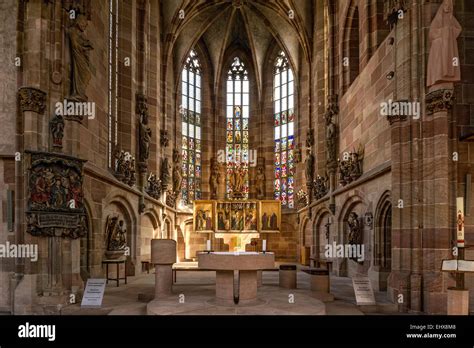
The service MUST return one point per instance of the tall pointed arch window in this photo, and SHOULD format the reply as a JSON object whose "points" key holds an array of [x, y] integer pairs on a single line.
{"points": [[284, 131], [237, 130], [113, 80], [191, 129]]}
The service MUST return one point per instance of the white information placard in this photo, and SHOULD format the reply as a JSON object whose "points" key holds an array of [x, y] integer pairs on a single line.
{"points": [[449, 265], [94, 293], [363, 291], [465, 266]]}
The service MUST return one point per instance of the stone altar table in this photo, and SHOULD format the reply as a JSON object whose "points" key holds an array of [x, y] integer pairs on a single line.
{"points": [[246, 263]]}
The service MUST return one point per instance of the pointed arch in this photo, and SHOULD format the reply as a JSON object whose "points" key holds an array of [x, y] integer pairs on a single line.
{"points": [[351, 46]]}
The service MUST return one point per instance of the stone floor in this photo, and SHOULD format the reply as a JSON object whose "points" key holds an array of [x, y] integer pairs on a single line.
{"points": [[197, 291]]}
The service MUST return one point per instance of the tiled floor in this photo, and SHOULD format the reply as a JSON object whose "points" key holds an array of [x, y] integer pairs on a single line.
{"points": [[198, 290]]}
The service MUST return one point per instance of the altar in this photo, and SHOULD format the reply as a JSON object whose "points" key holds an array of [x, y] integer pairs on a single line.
{"points": [[246, 264]]}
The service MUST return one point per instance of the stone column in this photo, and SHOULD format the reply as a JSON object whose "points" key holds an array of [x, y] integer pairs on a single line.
{"points": [[163, 256], [247, 287], [225, 287]]}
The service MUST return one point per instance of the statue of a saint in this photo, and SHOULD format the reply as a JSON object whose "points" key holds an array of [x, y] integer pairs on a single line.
{"points": [[236, 181], [79, 48], [145, 138], [309, 167], [214, 179], [331, 135], [177, 178], [165, 174], [115, 233], [355, 230], [443, 61], [57, 130], [260, 182]]}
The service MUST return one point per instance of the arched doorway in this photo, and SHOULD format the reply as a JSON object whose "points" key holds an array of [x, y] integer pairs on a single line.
{"points": [[382, 254]]}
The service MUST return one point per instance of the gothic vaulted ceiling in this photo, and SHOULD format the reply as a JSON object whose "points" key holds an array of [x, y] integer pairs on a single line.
{"points": [[253, 25]]}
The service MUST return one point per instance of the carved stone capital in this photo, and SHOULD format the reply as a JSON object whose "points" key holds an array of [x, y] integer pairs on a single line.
{"points": [[439, 100], [32, 99]]}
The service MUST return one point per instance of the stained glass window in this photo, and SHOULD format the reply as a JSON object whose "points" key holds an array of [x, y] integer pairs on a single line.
{"points": [[237, 130], [191, 129], [284, 132]]}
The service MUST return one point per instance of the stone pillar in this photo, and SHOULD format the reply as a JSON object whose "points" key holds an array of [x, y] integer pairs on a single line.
{"points": [[225, 287], [247, 287], [163, 256]]}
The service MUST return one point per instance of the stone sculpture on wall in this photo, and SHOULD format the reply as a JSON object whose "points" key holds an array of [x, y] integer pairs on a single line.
{"points": [[309, 167], [355, 229], [214, 179], [80, 64], [115, 232], [164, 138], [331, 132], [55, 196], [165, 176], [154, 186], [443, 62], [177, 174], [125, 168], [302, 199], [236, 182], [79, 6], [260, 182], [392, 11], [320, 187], [350, 169], [145, 132], [56, 127]]}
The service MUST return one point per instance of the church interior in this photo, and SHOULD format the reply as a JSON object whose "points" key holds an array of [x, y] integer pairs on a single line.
{"points": [[230, 157]]}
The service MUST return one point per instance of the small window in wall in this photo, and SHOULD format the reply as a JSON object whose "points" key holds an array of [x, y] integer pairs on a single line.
{"points": [[284, 131], [191, 87]]}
